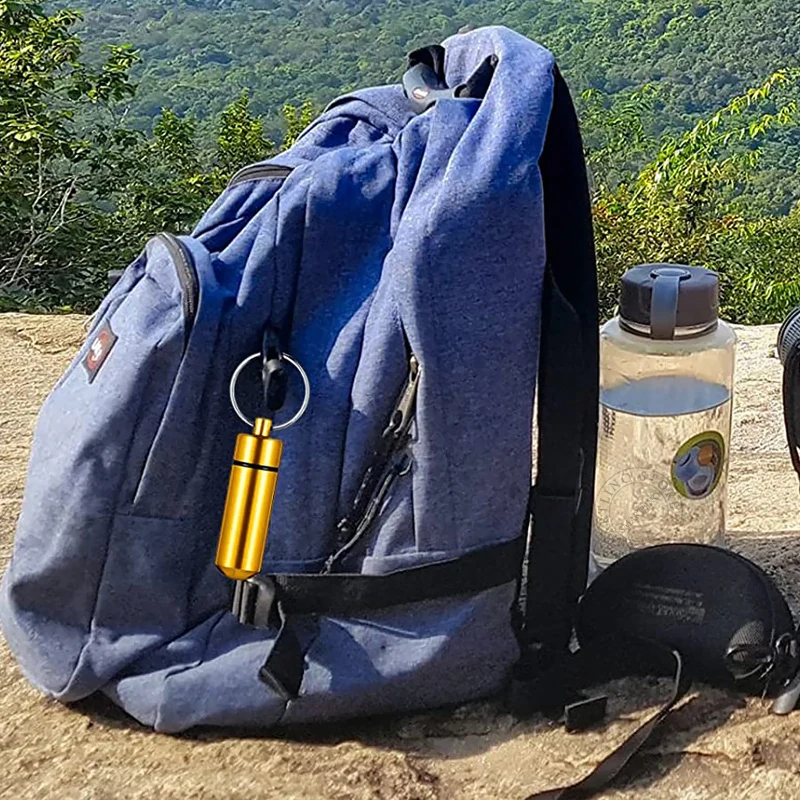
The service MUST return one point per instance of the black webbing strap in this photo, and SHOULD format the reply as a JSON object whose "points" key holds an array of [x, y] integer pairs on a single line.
{"points": [[269, 601], [348, 593], [561, 501], [599, 662], [255, 603]]}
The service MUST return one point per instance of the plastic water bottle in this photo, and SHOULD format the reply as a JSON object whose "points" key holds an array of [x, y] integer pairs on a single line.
{"points": [[666, 383]]}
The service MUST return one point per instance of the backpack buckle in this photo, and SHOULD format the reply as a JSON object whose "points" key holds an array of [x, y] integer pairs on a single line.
{"points": [[254, 602]]}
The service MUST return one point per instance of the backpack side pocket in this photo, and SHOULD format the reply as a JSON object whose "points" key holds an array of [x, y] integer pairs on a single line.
{"points": [[91, 443]]}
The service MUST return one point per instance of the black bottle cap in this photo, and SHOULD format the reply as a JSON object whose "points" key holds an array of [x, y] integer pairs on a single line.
{"points": [[657, 299]]}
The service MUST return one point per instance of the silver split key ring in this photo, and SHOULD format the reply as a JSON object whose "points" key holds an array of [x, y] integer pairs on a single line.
{"points": [[306, 390]]}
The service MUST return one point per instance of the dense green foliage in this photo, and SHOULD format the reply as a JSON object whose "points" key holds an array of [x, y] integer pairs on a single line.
{"points": [[82, 184], [80, 190], [696, 54], [689, 204]]}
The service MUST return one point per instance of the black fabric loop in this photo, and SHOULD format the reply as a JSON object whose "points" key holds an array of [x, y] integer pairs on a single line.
{"points": [[432, 56], [477, 84], [274, 377]]}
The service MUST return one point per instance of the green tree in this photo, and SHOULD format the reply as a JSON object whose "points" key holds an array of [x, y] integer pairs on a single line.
{"points": [[81, 189], [169, 189], [47, 162], [241, 138], [616, 135], [297, 120], [80, 192], [686, 206]]}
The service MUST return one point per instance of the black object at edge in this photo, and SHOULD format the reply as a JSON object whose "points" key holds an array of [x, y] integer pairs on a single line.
{"points": [[791, 412]]}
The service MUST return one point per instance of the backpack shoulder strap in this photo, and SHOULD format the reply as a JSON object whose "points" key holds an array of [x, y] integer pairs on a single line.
{"points": [[562, 497]]}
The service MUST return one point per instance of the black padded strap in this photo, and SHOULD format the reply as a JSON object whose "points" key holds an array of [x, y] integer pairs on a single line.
{"points": [[601, 661], [561, 501]]}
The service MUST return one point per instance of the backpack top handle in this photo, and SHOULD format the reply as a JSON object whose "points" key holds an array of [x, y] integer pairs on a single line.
{"points": [[424, 81]]}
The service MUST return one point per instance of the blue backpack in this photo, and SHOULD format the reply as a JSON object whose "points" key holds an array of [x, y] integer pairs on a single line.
{"points": [[424, 252]]}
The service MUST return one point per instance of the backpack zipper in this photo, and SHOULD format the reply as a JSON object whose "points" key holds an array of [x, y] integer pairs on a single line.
{"points": [[399, 466], [389, 462], [258, 172], [187, 274]]}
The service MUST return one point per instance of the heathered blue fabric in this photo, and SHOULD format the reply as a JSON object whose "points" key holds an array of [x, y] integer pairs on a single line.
{"points": [[392, 228]]}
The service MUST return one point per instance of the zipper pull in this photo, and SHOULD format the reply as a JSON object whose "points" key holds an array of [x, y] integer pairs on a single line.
{"points": [[393, 438], [403, 412], [401, 465]]}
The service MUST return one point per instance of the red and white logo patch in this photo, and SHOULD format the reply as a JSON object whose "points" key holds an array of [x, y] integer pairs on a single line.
{"points": [[99, 349]]}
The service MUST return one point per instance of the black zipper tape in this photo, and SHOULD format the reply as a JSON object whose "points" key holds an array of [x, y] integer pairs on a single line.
{"points": [[259, 172], [187, 275]]}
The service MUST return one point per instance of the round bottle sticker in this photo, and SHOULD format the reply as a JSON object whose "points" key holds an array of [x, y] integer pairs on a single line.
{"points": [[698, 464]]}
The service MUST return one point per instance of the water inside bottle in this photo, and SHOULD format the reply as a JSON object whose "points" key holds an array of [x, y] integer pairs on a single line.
{"points": [[661, 465]]}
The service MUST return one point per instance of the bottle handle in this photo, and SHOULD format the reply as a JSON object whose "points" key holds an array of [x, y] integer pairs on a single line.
{"points": [[664, 301]]}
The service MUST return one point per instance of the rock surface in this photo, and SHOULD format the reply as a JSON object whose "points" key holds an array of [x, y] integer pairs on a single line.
{"points": [[716, 746]]}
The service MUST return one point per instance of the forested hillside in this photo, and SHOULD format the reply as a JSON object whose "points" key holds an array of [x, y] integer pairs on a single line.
{"points": [[197, 55], [689, 114]]}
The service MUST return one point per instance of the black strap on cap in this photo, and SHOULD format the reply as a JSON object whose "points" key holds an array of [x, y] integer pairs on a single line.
{"points": [[268, 601], [598, 662], [561, 500]]}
